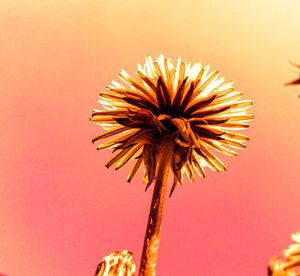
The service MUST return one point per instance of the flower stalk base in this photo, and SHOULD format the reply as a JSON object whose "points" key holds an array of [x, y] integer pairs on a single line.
{"points": [[152, 237]]}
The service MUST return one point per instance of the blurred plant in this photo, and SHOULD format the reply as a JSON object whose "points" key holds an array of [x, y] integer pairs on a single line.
{"points": [[171, 117], [119, 263], [296, 81], [291, 265]]}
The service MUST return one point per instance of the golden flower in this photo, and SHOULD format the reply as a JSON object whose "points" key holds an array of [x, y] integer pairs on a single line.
{"points": [[194, 108], [118, 263], [290, 266]]}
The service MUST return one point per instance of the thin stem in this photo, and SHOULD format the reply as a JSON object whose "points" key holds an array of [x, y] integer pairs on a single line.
{"points": [[152, 237]]}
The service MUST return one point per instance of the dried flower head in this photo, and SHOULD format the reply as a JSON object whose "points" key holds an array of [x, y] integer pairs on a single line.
{"points": [[290, 266], [119, 263], [185, 102]]}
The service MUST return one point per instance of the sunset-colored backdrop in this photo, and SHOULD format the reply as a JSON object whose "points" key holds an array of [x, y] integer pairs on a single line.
{"points": [[61, 210]]}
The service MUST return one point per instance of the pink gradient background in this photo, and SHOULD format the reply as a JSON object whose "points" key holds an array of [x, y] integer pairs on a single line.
{"points": [[61, 210]]}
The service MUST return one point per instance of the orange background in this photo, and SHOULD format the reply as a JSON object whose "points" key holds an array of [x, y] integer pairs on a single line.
{"points": [[61, 210]]}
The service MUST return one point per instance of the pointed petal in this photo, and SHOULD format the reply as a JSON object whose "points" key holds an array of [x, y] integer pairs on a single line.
{"points": [[135, 169], [109, 133]]}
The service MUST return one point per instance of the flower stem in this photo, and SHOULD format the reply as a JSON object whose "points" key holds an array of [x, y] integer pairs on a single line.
{"points": [[152, 237]]}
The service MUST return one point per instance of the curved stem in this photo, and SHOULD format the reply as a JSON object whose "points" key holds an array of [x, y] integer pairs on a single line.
{"points": [[152, 237]]}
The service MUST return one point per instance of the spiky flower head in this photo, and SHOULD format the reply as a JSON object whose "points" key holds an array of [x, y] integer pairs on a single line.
{"points": [[118, 263], [186, 102], [291, 265]]}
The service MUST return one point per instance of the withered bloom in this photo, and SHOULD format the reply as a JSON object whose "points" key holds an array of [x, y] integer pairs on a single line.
{"points": [[172, 116], [291, 265], [119, 263], [194, 107]]}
